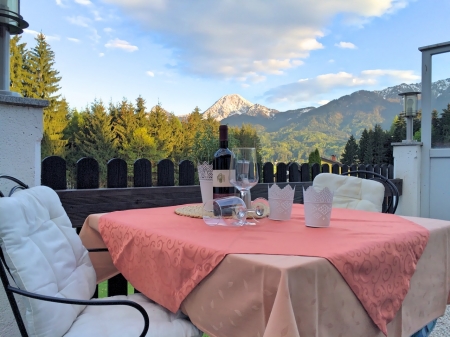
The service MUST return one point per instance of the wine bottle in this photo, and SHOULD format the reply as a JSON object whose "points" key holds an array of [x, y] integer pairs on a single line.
{"points": [[221, 166]]}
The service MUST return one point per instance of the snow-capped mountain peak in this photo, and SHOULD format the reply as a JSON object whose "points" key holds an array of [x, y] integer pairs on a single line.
{"points": [[234, 104]]}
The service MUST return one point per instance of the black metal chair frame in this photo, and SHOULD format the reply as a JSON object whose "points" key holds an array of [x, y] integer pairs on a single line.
{"points": [[10, 290], [393, 201]]}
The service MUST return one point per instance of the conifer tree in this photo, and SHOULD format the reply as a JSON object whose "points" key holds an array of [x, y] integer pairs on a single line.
{"points": [[96, 138], [350, 154], [314, 157], [141, 114], [368, 153], [18, 62], [362, 147], [43, 83], [379, 151], [53, 141], [445, 125], [160, 130], [44, 79]]}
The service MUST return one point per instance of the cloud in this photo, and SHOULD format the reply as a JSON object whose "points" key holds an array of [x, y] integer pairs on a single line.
{"points": [[108, 30], [315, 88], [81, 21], [345, 45], [331, 61], [59, 2], [229, 40], [150, 73], [31, 32], [97, 16], [73, 39], [101, 54], [121, 44], [84, 2], [47, 37], [323, 102]]}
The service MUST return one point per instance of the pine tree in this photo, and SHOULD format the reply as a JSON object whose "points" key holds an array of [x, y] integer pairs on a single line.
{"points": [[44, 79], [96, 138], [159, 129], [445, 125], [368, 154], [54, 141], [18, 61], [379, 151], [314, 157], [191, 125], [141, 114], [43, 83], [362, 147], [350, 154]]}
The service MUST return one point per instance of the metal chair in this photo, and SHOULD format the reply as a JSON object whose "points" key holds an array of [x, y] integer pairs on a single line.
{"points": [[358, 193], [393, 199], [46, 260]]}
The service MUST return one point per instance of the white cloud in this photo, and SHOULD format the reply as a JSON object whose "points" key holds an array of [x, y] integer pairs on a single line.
{"points": [[94, 35], [315, 88], [81, 21], [323, 102], [31, 32], [101, 54], [121, 44], [228, 40], [84, 2], [108, 30], [331, 61], [97, 16], [47, 37], [150, 73], [59, 2], [73, 39], [345, 45]]}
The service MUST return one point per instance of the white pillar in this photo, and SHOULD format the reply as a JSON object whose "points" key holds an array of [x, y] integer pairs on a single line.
{"points": [[21, 129], [407, 166]]}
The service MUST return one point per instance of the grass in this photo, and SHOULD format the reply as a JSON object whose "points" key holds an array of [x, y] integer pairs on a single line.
{"points": [[103, 292]]}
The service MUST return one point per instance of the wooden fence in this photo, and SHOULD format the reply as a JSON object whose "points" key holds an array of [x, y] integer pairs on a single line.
{"points": [[87, 198]]}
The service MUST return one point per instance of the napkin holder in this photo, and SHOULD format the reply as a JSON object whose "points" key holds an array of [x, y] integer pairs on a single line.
{"points": [[317, 205], [280, 202], [205, 176]]}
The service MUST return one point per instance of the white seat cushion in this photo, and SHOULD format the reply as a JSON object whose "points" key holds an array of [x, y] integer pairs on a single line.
{"points": [[45, 256], [352, 192], [124, 321]]}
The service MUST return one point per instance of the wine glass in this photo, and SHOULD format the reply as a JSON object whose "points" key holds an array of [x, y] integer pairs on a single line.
{"points": [[244, 171], [231, 211]]}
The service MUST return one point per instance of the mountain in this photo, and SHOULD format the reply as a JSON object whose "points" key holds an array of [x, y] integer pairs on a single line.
{"points": [[356, 109], [234, 104]]}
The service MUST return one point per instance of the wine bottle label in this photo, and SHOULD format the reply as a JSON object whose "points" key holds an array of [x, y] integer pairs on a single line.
{"points": [[221, 178]]}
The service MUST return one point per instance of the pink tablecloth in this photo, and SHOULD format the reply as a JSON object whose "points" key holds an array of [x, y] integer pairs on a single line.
{"points": [[375, 253]]}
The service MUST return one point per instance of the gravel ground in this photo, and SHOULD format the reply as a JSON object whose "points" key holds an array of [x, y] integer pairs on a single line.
{"points": [[442, 328]]}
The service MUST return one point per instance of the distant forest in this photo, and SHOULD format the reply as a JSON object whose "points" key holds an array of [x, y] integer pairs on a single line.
{"points": [[130, 130]]}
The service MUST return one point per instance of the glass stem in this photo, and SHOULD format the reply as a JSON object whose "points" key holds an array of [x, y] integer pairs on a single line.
{"points": [[245, 195]]}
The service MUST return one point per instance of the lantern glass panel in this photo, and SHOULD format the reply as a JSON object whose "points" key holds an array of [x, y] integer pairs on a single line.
{"points": [[410, 105]]}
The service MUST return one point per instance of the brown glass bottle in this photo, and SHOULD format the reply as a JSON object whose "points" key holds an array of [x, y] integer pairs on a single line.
{"points": [[221, 166]]}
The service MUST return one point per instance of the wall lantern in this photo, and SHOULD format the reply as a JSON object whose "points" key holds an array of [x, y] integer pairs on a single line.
{"points": [[11, 23], [410, 103]]}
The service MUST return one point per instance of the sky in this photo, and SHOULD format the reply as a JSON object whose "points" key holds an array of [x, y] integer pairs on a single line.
{"points": [[283, 54]]}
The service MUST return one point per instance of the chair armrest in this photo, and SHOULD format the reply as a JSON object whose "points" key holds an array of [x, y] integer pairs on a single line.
{"points": [[94, 250], [86, 302]]}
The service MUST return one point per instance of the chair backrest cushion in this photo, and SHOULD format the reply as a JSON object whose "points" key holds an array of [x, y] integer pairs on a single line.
{"points": [[352, 192], [45, 256]]}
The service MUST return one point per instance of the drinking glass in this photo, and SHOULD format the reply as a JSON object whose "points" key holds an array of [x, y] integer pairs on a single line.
{"points": [[231, 211], [244, 170]]}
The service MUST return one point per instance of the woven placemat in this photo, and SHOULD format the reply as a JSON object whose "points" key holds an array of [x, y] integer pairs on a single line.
{"points": [[193, 211], [196, 211]]}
